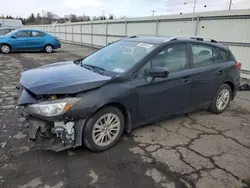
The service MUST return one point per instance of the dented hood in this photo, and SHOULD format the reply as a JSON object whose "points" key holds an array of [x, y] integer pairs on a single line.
{"points": [[61, 78]]}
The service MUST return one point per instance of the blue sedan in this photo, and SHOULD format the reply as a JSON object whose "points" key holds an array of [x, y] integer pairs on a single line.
{"points": [[28, 39]]}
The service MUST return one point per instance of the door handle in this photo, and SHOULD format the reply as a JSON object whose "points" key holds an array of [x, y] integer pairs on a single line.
{"points": [[186, 79], [219, 72]]}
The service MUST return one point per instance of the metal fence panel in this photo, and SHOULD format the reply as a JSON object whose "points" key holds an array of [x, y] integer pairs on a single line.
{"points": [[86, 39], [116, 29], [230, 27], [179, 28], [99, 40], [76, 29], [141, 29], [113, 39], [99, 28], [242, 55], [233, 30], [69, 37], [86, 28]]}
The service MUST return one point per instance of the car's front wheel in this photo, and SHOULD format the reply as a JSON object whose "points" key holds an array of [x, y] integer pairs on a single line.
{"points": [[5, 49], [103, 129], [48, 48], [221, 99]]}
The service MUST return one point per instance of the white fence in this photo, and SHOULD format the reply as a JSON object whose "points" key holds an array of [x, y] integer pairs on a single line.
{"points": [[229, 27]]}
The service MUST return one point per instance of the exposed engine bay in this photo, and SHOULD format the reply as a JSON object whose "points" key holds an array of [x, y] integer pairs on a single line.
{"points": [[55, 134]]}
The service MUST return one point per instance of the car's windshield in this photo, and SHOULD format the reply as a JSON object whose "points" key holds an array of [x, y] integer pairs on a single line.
{"points": [[2, 32], [119, 56]]}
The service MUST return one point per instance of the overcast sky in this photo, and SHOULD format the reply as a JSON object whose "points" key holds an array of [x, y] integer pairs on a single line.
{"points": [[129, 8]]}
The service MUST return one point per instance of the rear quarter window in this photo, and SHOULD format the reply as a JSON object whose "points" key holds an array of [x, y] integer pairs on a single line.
{"points": [[223, 54], [37, 34]]}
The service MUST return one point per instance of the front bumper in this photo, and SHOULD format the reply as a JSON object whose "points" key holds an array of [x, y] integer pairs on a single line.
{"points": [[54, 135], [57, 45]]}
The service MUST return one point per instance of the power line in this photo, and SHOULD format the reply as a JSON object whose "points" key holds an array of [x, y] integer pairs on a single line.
{"points": [[197, 5]]}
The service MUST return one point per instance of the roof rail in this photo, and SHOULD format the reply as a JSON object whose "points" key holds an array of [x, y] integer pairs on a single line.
{"points": [[196, 38], [134, 36]]}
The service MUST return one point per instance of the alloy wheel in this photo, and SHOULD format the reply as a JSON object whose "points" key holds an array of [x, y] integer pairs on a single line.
{"points": [[106, 129], [5, 49], [223, 99], [48, 49]]}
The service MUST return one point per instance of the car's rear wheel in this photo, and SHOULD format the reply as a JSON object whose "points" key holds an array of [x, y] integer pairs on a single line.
{"points": [[103, 129], [48, 48], [221, 99], [5, 49]]}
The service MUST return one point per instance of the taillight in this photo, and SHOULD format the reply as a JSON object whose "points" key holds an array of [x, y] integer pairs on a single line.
{"points": [[238, 65]]}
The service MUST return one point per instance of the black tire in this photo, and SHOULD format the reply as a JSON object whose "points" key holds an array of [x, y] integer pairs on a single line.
{"points": [[5, 48], [89, 126], [213, 107], [48, 48]]}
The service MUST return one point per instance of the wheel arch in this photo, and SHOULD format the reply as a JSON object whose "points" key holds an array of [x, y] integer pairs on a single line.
{"points": [[232, 86], [4, 43], [125, 112], [48, 44]]}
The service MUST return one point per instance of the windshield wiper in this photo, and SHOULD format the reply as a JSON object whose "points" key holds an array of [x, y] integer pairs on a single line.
{"points": [[93, 67]]}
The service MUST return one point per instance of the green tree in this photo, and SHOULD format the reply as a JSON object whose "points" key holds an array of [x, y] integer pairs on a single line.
{"points": [[31, 19], [38, 16]]}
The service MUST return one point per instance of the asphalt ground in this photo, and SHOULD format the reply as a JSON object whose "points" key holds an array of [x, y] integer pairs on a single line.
{"points": [[199, 149]]}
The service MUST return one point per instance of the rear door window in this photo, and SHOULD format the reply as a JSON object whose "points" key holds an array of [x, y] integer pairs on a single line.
{"points": [[204, 55], [37, 34]]}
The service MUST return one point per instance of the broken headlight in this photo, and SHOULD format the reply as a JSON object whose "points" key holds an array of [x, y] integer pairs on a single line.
{"points": [[52, 108]]}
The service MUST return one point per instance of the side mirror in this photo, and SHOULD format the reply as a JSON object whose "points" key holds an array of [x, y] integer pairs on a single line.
{"points": [[13, 36], [158, 72]]}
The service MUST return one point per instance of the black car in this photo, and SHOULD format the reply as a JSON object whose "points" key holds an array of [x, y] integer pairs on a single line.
{"points": [[129, 83]]}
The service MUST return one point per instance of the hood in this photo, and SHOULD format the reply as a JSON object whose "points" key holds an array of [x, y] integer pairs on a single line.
{"points": [[3, 38], [61, 78]]}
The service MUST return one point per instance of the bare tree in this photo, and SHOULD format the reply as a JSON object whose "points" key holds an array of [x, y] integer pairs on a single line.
{"points": [[72, 18], [111, 16]]}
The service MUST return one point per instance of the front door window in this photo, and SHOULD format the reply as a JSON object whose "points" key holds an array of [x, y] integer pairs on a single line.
{"points": [[173, 58], [23, 34]]}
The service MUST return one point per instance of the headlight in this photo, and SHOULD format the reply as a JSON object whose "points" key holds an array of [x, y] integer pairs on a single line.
{"points": [[53, 108]]}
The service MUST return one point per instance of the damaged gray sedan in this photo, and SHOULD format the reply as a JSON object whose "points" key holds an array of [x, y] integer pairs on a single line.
{"points": [[129, 83]]}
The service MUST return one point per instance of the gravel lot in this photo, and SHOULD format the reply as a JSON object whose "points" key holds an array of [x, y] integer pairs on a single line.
{"points": [[197, 150]]}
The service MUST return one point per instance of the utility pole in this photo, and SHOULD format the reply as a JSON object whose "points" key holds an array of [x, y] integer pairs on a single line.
{"points": [[42, 18], [103, 14], [3, 19], [230, 4], [153, 12], [194, 6]]}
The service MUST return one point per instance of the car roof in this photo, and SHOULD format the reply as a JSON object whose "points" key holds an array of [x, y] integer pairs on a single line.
{"points": [[148, 39], [163, 39], [27, 29]]}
